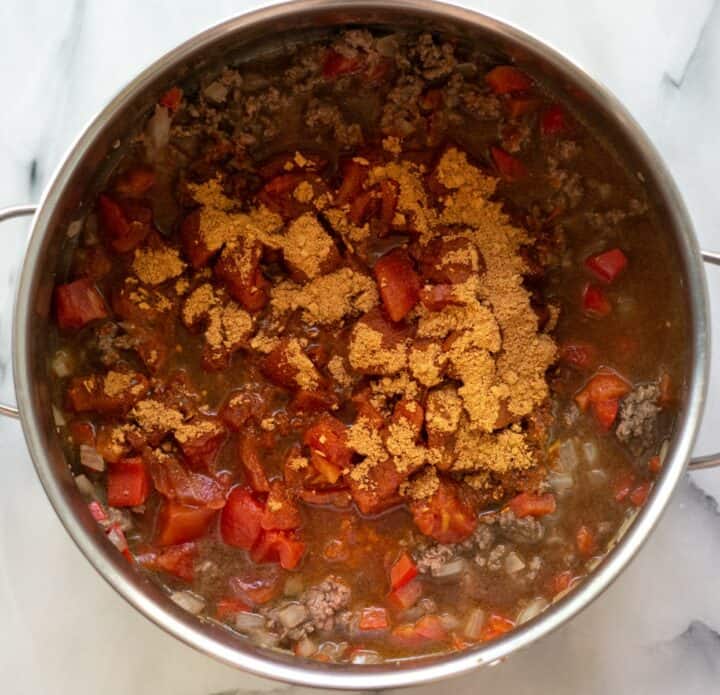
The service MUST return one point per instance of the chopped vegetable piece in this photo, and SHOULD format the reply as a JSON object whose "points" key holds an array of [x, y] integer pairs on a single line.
{"points": [[607, 265], [654, 465], [178, 560], [639, 495], [406, 596], [229, 607], [336, 64], [179, 524], [128, 483], [553, 121], [373, 618], [78, 303], [606, 411], [579, 354], [585, 541], [241, 519], [444, 516], [402, 571], [527, 504], [281, 512], [171, 99], [279, 546], [398, 283], [496, 626], [506, 79], [594, 302], [509, 167]]}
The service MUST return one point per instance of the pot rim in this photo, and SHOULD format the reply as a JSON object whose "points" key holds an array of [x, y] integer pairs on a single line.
{"points": [[239, 653]]}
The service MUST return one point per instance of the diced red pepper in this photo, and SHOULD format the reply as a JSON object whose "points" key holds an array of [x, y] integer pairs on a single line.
{"points": [[281, 512], [605, 412], [553, 121], [585, 541], [279, 546], [78, 303], [506, 79], [607, 265], [171, 99], [373, 618], [229, 607], [406, 596], [639, 495], [594, 302], [528, 504], [398, 283], [402, 571], [509, 167], [178, 560], [128, 483], [179, 524], [241, 519], [336, 64]]}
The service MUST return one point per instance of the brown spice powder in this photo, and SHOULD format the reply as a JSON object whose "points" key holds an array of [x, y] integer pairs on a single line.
{"points": [[156, 265]]}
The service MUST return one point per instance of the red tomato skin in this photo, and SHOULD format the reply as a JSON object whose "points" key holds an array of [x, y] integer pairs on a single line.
{"points": [[240, 519], [78, 303], [128, 483], [594, 302], [606, 266]]}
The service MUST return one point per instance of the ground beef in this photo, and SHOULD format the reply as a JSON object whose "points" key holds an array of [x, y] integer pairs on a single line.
{"points": [[637, 421], [324, 601], [401, 113], [429, 560], [435, 60], [526, 530], [323, 116], [496, 558]]}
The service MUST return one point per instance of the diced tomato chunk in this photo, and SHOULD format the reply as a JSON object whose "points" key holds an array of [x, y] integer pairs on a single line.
{"points": [[406, 596], [509, 167], [519, 106], [128, 483], [336, 64], [260, 585], [82, 432], [553, 120], [402, 571], [329, 452], [373, 618], [389, 192], [178, 560], [398, 283], [279, 546], [192, 241], [173, 480], [431, 628], [579, 354], [655, 465], [496, 626], [585, 541], [605, 385], [607, 265], [527, 504], [241, 519], [281, 512], [623, 485], [561, 581], [444, 516], [135, 182], [353, 178], [380, 492], [250, 459], [78, 303], [229, 607], [201, 444], [124, 226], [639, 495], [178, 523], [171, 99], [506, 79], [594, 302], [606, 411]]}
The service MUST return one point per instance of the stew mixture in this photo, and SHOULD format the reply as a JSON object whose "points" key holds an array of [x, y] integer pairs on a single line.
{"points": [[356, 352]]}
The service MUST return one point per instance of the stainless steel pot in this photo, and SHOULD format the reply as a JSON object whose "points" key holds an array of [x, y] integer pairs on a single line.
{"points": [[251, 34]]}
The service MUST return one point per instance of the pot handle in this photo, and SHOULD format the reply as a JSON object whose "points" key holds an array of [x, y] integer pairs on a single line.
{"points": [[7, 214], [711, 460]]}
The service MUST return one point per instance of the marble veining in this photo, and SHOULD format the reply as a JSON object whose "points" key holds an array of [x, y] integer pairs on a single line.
{"points": [[63, 631]]}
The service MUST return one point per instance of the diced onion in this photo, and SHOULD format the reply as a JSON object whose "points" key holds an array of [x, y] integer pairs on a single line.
{"points": [[450, 622], [513, 562], [590, 452], [61, 364], [450, 569], [84, 485], [264, 638], [534, 608], [366, 656], [74, 228], [90, 458], [567, 455], [597, 477], [291, 616], [663, 451], [216, 91], [249, 622], [387, 45], [474, 624], [305, 647], [189, 601], [158, 130], [58, 417], [561, 482]]}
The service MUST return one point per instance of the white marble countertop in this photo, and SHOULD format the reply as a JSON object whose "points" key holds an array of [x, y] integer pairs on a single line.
{"points": [[64, 631]]}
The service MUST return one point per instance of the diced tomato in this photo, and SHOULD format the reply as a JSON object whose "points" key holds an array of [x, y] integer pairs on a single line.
{"points": [[313, 401], [354, 175], [527, 504], [336, 64], [128, 483], [179, 524], [78, 303], [666, 390], [366, 410], [436, 268], [259, 585], [408, 411], [444, 516], [178, 560], [496, 626], [124, 226], [655, 465], [135, 182], [605, 385], [594, 302], [605, 412], [561, 581], [280, 367], [398, 283], [388, 205], [239, 268], [229, 607], [579, 354], [380, 492], [116, 536], [241, 518], [506, 79], [607, 265], [363, 206], [553, 121], [87, 393], [402, 571], [437, 297], [510, 168], [406, 596], [373, 618], [431, 628], [623, 485], [585, 541], [192, 241], [250, 458], [329, 452], [171, 99], [173, 480], [640, 494], [519, 106], [82, 432], [202, 444], [279, 546], [281, 512]]}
